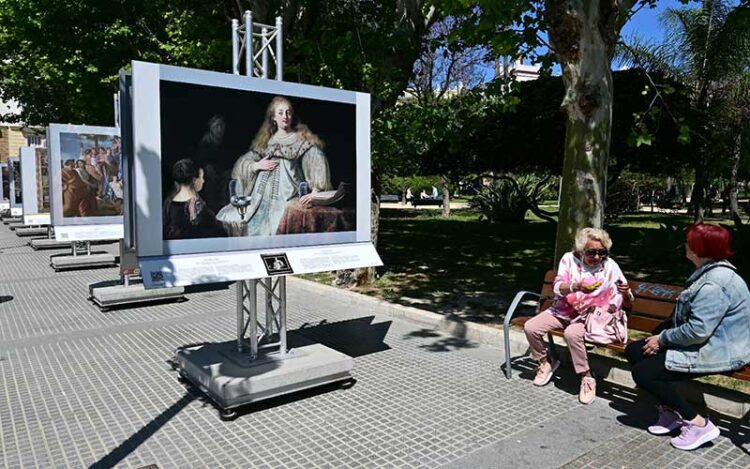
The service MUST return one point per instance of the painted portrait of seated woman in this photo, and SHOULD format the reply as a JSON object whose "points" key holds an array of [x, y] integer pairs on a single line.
{"points": [[285, 157]]}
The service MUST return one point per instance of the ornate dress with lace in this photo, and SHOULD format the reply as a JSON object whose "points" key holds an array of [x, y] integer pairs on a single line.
{"points": [[271, 191]]}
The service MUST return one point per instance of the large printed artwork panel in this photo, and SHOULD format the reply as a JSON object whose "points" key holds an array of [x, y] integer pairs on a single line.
{"points": [[225, 137], [42, 179], [90, 175], [229, 163], [15, 168], [85, 175], [5, 181]]}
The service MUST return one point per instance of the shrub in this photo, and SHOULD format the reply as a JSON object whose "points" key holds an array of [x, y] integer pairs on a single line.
{"points": [[504, 201]]}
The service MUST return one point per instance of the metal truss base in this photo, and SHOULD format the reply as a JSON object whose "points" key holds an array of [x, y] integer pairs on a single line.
{"points": [[232, 379], [110, 294], [44, 243], [31, 231], [82, 261]]}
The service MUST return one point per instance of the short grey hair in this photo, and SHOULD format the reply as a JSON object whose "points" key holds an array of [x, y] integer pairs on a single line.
{"points": [[597, 234]]}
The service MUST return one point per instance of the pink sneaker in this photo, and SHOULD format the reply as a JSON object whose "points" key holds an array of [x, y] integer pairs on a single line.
{"points": [[668, 422], [588, 390], [692, 436], [544, 372]]}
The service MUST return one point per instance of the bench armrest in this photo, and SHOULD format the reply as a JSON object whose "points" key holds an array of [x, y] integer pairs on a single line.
{"points": [[506, 325]]}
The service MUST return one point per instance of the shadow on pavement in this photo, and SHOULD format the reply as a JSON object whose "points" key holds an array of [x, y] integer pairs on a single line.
{"points": [[443, 343], [353, 337], [5, 298], [144, 433], [637, 407]]}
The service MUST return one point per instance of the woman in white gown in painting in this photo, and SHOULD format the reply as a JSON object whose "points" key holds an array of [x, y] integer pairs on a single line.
{"points": [[283, 154]]}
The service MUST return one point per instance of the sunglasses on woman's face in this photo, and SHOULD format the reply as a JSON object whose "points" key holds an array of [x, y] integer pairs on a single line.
{"points": [[594, 252]]}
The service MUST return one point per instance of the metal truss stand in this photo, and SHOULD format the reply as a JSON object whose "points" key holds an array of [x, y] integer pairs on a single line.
{"points": [[32, 230], [260, 334], [49, 242], [253, 42], [259, 364]]}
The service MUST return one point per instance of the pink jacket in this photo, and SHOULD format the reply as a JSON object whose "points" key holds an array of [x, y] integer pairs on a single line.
{"points": [[573, 270]]}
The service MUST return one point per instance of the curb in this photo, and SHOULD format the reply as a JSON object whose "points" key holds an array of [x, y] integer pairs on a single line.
{"points": [[722, 400]]}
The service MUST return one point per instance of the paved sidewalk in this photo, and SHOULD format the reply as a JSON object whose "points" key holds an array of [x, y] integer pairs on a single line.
{"points": [[81, 388]]}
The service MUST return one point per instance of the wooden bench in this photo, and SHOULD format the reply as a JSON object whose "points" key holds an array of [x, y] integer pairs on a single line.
{"points": [[390, 198], [653, 304], [415, 202]]}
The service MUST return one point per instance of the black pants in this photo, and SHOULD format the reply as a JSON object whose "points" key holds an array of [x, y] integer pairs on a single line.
{"points": [[650, 374]]}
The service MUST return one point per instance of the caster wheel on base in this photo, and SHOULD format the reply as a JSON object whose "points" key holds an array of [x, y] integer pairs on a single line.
{"points": [[227, 415]]}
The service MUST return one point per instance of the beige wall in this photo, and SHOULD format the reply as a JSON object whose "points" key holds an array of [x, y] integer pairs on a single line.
{"points": [[11, 139]]}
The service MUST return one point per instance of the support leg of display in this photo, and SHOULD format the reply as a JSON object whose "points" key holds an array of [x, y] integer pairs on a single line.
{"points": [[129, 289], [78, 261], [31, 231], [49, 242], [258, 365]]}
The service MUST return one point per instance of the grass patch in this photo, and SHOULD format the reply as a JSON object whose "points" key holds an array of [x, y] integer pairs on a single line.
{"points": [[468, 269]]}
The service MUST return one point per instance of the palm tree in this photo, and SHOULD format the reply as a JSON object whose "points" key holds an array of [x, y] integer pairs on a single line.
{"points": [[707, 50]]}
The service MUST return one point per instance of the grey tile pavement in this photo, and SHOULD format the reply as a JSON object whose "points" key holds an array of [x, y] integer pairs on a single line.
{"points": [[81, 388]]}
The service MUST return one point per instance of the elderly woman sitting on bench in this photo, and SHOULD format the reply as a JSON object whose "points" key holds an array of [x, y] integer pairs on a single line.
{"points": [[708, 333], [587, 276]]}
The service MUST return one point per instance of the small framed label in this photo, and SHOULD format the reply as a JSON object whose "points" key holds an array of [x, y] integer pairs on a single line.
{"points": [[277, 264]]}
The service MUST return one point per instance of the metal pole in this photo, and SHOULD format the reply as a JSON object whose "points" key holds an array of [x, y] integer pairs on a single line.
{"points": [[88, 248], [235, 47], [240, 313], [269, 306], [116, 99], [264, 44], [279, 50], [282, 315], [74, 246], [253, 312], [248, 43]]}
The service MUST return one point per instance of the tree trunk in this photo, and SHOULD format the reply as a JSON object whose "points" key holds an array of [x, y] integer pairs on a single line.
{"points": [[734, 207], [583, 35], [698, 196], [446, 195]]}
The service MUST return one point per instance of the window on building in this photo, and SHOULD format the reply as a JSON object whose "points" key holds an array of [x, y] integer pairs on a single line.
{"points": [[34, 140]]}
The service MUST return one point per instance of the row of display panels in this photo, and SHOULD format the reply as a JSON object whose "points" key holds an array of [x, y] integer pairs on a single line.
{"points": [[11, 196], [218, 166]]}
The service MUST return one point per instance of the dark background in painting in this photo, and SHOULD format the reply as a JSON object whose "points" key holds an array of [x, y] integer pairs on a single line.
{"points": [[6, 183], [186, 110], [15, 166]]}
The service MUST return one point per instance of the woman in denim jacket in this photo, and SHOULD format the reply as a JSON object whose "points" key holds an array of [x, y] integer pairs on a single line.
{"points": [[710, 333]]}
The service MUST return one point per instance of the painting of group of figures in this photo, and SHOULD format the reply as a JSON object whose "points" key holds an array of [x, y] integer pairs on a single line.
{"points": [[238, 163], [91, 174], [42, 179]]}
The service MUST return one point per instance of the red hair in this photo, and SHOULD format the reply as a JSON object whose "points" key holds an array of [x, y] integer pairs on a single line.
{"points": [[711, 241]]}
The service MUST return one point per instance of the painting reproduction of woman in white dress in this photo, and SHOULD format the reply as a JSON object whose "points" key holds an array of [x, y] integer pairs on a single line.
{"points": [[283, 154]]}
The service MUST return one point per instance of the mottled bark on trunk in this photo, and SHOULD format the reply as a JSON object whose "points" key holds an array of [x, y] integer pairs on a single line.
{"points": [[583, 35], [446, 195]]}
